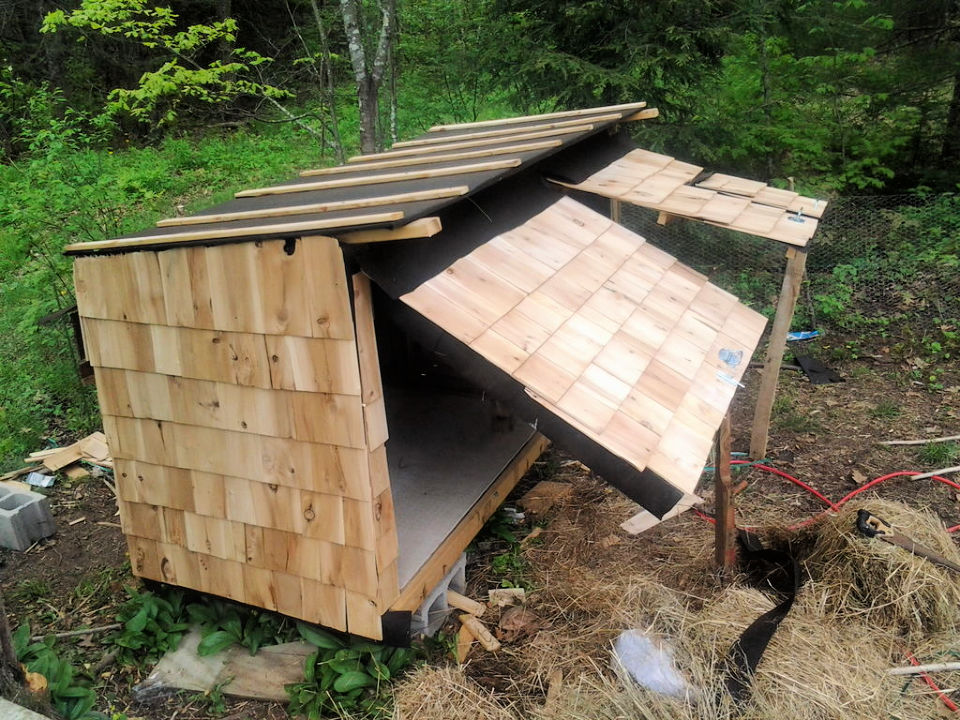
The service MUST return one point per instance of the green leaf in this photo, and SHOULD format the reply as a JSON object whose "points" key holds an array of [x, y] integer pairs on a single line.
{"points": [[318, 637], [215, 642], [353, 680], [310, 667], [139, 621]]}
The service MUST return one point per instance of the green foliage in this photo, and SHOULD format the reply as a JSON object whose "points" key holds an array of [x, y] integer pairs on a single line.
{"points": [[182, 76], [152, 625], [224, 623], [345, 678], [69, 695], [938, 455], [886, 409]]}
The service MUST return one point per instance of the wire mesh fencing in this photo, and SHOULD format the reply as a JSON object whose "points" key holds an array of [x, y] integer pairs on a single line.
{"points": [[876, 262]]}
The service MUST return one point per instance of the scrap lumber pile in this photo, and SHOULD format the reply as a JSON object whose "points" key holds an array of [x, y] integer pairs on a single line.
{"points": [[91, 450]]}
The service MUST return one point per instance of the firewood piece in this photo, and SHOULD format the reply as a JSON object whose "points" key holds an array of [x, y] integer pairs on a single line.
{"points": [[479, 630], [468, 605]]}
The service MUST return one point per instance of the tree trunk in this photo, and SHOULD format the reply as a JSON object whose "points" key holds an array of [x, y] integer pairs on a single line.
{"points": [[950, 153], [368, 75], [328, 84]]}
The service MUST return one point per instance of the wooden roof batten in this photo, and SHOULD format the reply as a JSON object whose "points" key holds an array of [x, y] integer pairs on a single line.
{"points": [[398, 184]]}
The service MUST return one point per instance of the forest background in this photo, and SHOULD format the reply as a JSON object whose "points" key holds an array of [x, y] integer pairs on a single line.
{"points": [[115, 113]]}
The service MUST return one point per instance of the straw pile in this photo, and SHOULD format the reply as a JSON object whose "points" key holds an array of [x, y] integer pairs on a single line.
{"points": [[864, 601], [445, 692], [880, 584]]}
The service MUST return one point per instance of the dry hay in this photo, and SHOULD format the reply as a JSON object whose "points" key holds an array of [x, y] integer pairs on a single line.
{"points": [[881, 584], [445, 692], [813, 669], [827, 660]]}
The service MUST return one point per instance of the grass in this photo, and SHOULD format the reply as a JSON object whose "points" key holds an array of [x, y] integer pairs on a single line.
{"points": [[787, 417], [939, 454], [886, 409], [28, 591]]}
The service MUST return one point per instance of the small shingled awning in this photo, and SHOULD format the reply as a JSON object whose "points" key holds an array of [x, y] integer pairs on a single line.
{"points": [[615, 337], [678, 188]]}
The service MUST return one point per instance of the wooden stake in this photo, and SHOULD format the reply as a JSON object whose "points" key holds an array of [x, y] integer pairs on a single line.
{"points": [[480, 632], [468, 605], [615, 210], [726, 527], [792, 277]]}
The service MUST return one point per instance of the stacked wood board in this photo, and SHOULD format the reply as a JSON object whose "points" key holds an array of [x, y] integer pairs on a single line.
{"points": [[662, 183], [629, 346]]}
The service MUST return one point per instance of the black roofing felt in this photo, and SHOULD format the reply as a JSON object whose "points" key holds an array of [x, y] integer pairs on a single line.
{"points": [[476, 182], [399, 267]]}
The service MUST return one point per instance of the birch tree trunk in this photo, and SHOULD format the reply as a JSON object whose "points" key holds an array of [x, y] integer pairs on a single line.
{"points": [[367, 72]]}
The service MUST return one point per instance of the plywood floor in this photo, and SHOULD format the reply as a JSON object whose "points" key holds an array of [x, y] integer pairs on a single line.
{"points": [[443, 453]]}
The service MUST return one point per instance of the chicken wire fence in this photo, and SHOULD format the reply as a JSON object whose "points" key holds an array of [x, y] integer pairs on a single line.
{"points": [[877, 261]]}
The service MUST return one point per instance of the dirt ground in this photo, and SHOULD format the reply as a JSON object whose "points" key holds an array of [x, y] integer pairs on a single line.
{"points": [[825, 435]]}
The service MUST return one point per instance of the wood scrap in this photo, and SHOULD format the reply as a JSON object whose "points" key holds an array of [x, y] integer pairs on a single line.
{"points": [[948, 438], [66, 456], [15, 486], [505, 597], [76, 472], [14, 474], [468, 605], [465, 640], [544, 495], [92, 449], [480, 632]]}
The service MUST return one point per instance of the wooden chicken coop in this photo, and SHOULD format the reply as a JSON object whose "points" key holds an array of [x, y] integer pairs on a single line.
{"points": [[317, 393]]}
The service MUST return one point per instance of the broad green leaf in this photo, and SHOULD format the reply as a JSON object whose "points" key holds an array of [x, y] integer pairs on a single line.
{"points": [[353, 680], [215, 642], [320, 638]]}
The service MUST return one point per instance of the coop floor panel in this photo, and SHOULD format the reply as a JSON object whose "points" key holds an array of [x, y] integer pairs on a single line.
{"points": [[445, 450]]}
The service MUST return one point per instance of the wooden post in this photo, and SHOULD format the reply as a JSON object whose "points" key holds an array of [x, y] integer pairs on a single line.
{"points": [[615, 214], [725, 538], [792, 277]]}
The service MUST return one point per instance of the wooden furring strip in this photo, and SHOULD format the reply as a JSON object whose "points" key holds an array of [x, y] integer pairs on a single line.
{"points": [[317, 207], [545, 116], [223, 233], [385, 178], [472, 143], [422, 228], [501, 132], [450, 157]]}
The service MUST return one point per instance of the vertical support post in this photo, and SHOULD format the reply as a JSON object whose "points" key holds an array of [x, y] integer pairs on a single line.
{"points": [[615, 210], [725, 538], [792, 278]]}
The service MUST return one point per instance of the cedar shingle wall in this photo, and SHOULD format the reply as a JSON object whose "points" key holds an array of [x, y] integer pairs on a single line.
{"points": [[248, 463]]}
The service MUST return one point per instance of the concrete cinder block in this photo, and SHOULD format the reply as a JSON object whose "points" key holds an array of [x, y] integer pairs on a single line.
{"points": [[432, 613], [24, 518]]}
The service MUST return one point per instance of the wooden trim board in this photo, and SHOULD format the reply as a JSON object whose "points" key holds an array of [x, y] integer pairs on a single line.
{"points": [[438, 194], [544, 116], [450, 157], [470, 143], [379, 179], [422, 228], [442, 559], [504, 132], [224, 233]]}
